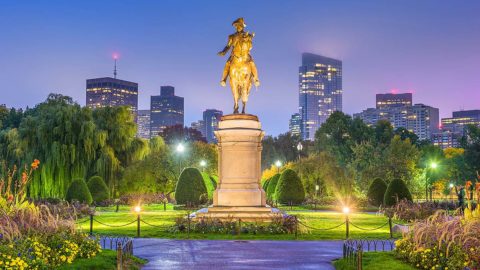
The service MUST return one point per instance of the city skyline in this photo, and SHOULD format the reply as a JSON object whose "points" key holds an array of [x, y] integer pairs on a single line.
{"points": [[386, 51]]}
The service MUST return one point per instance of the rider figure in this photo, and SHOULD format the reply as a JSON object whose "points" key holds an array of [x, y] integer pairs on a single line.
{"points": [[237, 42]]}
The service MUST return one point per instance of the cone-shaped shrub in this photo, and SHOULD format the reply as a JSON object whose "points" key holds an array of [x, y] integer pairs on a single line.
{"points": [[214, 180], [98, 189], [78, 191], [190, 189], [208, 184], [376, 192], [265, 184], [396, 191], [290, 188], [272, 185]]}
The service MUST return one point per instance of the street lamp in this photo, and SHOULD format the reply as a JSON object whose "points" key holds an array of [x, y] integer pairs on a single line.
{"points": [[432, 165], [203, 164], [278, 163], [299, 148], [317, 188], [451, 190], [180, 149]]}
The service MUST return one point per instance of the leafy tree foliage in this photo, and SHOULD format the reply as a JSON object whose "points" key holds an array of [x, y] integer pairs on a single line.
{"points": [[283, 147], [78, 191], [190, 189], [376, 192], [289, 189], [396, 191], [98, 189], [471, 144]]}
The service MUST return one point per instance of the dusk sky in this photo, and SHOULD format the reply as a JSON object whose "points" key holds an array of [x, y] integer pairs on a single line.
{"points": [[430, 48]]}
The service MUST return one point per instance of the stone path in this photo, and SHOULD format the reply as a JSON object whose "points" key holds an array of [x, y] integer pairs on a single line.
{"points": [[224, 254]]}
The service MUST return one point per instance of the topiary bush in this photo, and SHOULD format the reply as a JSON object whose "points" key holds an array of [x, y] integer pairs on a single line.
{"points": [[208, 184], [272, 185], [396, 191], [190, 189], [376, 192], [265, 184], [290, 188], [98, 189], [214, 180], [78, 191]]}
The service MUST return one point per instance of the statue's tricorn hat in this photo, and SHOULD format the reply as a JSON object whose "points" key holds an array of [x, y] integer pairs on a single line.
{"points": [[239, 21]]}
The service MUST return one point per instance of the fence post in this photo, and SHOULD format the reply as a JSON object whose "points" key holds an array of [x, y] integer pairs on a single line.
{"points": [[347, 227], [119, 256], [296, 227], [188, 226], [91, 224], [138, 225], [390, 226], [359, 258], [239, 226]]}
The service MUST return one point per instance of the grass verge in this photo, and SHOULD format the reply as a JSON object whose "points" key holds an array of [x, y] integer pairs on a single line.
{"points": [[105, 260], [375, 261]]}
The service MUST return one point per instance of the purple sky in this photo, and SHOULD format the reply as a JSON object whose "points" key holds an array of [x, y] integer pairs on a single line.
{"points": [[431, 48]]}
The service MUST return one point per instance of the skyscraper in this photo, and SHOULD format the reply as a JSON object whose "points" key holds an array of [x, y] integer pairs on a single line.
{"points": [[200, 126], [165, 110], [453, 128], [143, 124], [320, 91], [295, 124], [393, 100], [103, 92], [211, 117]]}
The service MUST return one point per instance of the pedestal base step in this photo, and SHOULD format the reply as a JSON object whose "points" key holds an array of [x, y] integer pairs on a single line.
{"points": [[247, 214]]}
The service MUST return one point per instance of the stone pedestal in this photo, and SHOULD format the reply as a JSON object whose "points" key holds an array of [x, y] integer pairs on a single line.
{"points": [[239, 193]]}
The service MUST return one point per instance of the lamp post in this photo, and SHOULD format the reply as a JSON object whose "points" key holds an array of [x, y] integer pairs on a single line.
{"points": [[299, 148], [278, 164], [317, 187], [451, 190], [346, 211], [137, 210], [203, 164], [432, 165], [180, 149]]}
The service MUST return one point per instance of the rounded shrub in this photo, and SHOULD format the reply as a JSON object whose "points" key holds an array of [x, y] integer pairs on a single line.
{"points": [[376, 192], [78, 191], [208, 184], [272, 185], [98, 189], [190, 189], [290, 188], [396, 191]]}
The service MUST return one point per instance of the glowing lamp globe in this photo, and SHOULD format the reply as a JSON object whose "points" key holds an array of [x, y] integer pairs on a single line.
{"points": [[180, 148], [434, 165], [137, 209], [278, 163], [346, 210]]}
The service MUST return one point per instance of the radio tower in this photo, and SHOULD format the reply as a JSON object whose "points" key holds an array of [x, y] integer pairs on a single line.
{"points": [[115, 57]]}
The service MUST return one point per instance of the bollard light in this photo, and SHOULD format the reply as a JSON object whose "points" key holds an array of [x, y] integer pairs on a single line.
{"points": [[137, 209], [346, 210]]}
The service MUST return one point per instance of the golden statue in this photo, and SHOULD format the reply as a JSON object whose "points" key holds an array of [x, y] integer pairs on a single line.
{"points": [[240, 66]]}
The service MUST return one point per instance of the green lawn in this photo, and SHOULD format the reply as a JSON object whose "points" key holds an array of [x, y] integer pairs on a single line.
{"points": [[376, 261], [155, 215], [105, 260]]}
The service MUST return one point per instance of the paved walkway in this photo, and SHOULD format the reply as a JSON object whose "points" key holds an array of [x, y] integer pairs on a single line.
{"points": [[224, 254]]}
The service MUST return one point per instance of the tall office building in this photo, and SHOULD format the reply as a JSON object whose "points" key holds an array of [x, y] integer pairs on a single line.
{"points": [[165, 110], [295, 124], [200, 126], [453, 128], [320, 91], [104, 92], [419, 118], [393, 100], [143, 124], [211, 117]]}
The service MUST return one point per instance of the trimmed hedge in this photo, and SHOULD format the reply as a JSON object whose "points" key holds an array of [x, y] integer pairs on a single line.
{"points": [[214, 180], [396, 191], [190, 189], [290, 188], [376, 192], [98, 189], [78, 191], [272, 185], [265, 184]]}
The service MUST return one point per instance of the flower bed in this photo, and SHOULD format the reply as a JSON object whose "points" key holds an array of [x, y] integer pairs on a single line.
{"points": [[442, 242], [35, 236]]}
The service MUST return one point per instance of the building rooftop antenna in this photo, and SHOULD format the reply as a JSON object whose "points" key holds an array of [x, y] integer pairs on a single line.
{"points": [[115, 57]]}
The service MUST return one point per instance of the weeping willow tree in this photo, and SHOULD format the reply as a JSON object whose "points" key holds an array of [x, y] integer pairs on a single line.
{"points": [[72, 142]]}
